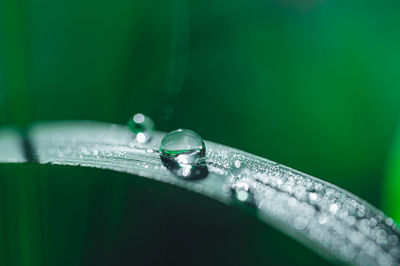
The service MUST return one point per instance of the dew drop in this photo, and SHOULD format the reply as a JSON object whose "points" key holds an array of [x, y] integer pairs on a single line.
{"points": [[142, 126], [333, 208], [313, 196], [241, 192], [183, 152], [237, 163]]}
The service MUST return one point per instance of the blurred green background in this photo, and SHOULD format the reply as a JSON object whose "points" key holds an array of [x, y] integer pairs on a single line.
{"points": [[310, 84]]}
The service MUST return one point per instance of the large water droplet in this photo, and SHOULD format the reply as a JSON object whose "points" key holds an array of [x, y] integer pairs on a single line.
{"points": [[142, 126], [183, 152]]}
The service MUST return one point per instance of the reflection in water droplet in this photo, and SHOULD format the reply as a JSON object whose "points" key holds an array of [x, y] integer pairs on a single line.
{"points": [[142, 126], [183, 152]]}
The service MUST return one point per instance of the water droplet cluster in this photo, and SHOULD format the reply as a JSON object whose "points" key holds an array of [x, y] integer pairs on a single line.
{"points": [[321, 212]]}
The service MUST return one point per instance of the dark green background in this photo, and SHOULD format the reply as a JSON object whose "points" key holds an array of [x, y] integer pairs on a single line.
{"points": [[310, 84]]}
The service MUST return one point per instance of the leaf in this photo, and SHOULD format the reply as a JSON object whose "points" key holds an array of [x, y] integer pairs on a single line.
{"points": [[331, 221], [11, 146], [391, 196]]}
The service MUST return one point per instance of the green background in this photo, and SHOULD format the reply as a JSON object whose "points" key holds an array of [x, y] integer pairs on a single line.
{"points": [[310, 84]]}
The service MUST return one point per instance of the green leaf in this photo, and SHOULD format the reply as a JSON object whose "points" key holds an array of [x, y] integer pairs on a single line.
{"points": [[333, 222], [391, 196], [11, 148]]}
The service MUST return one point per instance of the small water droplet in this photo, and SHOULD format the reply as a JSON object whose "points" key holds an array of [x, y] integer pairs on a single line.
{"points": [[142, 126], [389, 221], [238, 171], [393, 239], [237, 163], [241, 191], [333, 208], [313, 196], [183, 152]]}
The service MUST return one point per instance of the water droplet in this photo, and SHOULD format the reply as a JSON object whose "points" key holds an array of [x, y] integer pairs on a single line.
{"points": [[393, 240], [389, 221], [300, 223], [237, 163], [333, 208], [313, 196], [238, 171], [241, 191], [183, 152], [142, 126], [322, 219]]}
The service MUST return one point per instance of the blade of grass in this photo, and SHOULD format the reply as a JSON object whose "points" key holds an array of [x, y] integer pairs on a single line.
{"points": [[391, 194], [331, 221]]}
